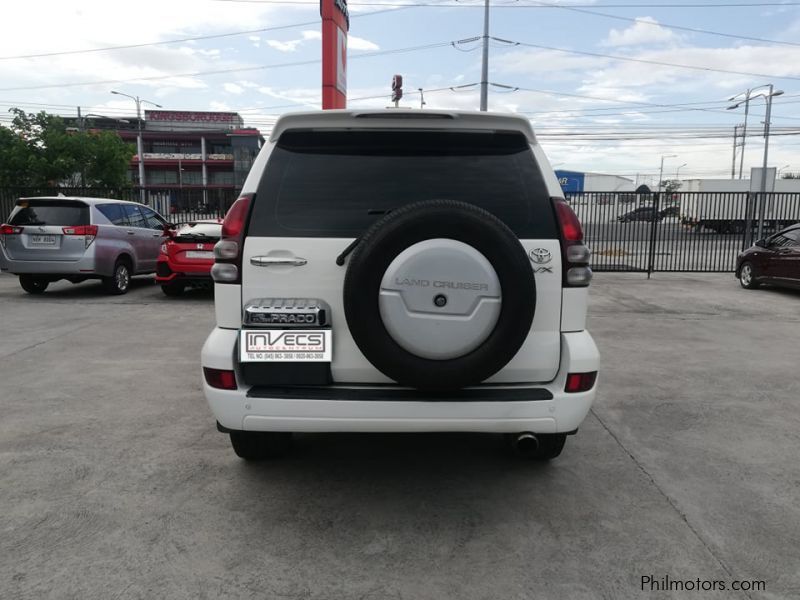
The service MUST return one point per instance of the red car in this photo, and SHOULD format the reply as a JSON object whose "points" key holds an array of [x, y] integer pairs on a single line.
{"points": [[187, 256]]}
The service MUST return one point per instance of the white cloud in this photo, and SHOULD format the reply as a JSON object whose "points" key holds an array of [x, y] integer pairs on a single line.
{"points": [[645, 31], [232, 88], [220, 106], [289, 46], [357, 43], [292, 45]]}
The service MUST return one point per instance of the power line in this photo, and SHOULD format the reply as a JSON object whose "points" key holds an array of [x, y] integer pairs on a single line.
{"points": [[650, 62], [629, 5], [185, 39], [670, 26], [225, 71]]}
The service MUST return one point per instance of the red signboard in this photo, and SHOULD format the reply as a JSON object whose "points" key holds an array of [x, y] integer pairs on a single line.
{"points": [[191, 116], [335, 25]]}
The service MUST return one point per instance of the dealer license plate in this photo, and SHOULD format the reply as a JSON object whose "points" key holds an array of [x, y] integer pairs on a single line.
{"points": [[43, 240], [279, 345]]}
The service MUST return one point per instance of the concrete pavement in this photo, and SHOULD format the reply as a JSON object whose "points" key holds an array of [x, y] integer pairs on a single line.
{"points": [[115, 484]]}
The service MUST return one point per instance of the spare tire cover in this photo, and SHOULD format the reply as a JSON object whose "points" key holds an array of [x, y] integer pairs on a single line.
{"points": [[439, 295]]}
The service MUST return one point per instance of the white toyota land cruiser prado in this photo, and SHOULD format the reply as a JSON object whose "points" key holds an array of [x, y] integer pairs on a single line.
{"points": [[394, 270]]}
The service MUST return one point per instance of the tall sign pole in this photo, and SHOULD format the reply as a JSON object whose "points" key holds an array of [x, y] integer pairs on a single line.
{"points": [[335, 25]]}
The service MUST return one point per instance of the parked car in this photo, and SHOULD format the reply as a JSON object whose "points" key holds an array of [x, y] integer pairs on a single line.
{"points": [[395, 270], [774, 260], [187, 256], [51, 238], [643, 213], [670, 211]]}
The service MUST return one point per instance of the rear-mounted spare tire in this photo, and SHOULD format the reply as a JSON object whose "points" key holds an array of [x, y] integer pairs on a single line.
{"points": [[439, 295]]}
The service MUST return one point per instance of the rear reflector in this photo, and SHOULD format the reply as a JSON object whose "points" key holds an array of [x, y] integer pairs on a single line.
{"points": [[580, 382], [220, 378]]}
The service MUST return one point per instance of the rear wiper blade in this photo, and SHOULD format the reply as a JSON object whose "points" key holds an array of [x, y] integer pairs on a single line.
{"points": [[351, 246]]}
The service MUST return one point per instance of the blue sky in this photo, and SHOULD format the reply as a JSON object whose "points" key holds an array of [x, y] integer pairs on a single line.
{"points": [[594, 104]]}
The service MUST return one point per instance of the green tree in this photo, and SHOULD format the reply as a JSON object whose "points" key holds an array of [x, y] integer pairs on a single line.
{"points": [[670, 186], [39, 150]]}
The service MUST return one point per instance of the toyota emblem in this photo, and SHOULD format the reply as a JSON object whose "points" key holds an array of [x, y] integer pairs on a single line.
{"points": [[540, 255]]}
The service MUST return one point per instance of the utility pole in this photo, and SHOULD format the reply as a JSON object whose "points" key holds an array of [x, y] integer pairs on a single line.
{"points": [[421, 99], [744, 132], [733, 161], [485, 62], [80, 120]]}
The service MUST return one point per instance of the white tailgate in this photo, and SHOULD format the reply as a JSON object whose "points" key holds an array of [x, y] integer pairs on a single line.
{"points": [[537, 360]]}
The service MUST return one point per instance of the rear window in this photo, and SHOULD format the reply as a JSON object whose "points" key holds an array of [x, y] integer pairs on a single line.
{"points": [[49, 212], [195, 231], [336, 184]]}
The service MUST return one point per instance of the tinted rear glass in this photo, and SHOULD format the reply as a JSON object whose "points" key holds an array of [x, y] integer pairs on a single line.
{"points": [[336, 184], [199, 230], [50, 212]]}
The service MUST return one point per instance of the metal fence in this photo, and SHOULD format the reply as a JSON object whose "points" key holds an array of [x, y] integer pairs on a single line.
{"points": [[685, 231]]}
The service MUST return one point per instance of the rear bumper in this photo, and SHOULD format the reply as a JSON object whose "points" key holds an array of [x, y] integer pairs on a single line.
{"points": [[374, 409], [168, 273], [85, 266]]}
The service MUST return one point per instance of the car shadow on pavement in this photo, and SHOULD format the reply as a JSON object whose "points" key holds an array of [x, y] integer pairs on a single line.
{"points": [[416, 458], [87, 289]]}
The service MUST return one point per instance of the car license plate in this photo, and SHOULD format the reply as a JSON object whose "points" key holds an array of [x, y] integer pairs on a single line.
{"points": [[279, 345], [204, 254], [43, 240]]}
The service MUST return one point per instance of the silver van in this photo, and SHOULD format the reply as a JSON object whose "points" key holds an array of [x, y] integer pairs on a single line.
{"points": [[51, 238]]}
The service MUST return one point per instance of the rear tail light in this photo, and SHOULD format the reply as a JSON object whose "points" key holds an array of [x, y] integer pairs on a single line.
{"points": [[575, 255], [228, 251], [580, 382], [8, 230], [221, 379], [88, 231]]}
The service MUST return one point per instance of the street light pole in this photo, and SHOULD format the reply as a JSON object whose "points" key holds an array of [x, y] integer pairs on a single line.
{"points": [[763, 187], [678, 170], [139, 143], [762, 204], [485, 62], [661, 170]]}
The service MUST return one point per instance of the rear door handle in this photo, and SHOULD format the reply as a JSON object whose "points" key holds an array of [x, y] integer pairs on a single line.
{"points": [[131, 233], [271, 261]]}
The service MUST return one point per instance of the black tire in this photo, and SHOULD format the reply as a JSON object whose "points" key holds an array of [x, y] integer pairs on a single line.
{"points": [[747, 276], [32, 284], [257, 445], [421, 221], [550, 446], [173, 289], [120, 282]]}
